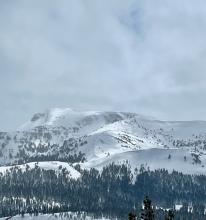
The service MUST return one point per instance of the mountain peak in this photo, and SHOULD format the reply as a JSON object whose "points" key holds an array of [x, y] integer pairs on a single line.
{"points": [[67, 117], [45, 118]]}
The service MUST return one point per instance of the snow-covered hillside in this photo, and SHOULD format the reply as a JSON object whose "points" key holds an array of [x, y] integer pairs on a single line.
{"points": [[95, 139]]}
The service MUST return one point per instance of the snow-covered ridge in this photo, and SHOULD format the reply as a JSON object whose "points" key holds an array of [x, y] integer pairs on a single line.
{"points": [[45, 165], [106, 137]]}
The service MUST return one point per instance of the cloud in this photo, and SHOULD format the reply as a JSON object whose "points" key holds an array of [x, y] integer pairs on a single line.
{"points": [[142, 56]]}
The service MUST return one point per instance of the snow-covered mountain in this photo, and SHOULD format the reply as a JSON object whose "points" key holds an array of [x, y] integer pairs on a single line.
{"points": [[95, 139]]}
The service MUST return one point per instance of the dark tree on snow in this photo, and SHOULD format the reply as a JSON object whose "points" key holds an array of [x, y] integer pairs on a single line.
{"points": [[170, 215], [147, 211], [131, 216]]}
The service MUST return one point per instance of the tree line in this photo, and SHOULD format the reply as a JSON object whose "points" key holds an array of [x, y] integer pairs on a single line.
{"points": [[112, 192]]}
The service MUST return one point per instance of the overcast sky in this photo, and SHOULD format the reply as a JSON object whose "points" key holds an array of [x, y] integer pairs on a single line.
{"points": [[142, 56]]}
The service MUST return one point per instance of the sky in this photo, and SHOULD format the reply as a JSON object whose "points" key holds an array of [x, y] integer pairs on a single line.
{"points": [[141, 56]]}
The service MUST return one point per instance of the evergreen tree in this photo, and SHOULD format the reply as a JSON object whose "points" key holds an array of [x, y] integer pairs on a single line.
{"points": [[147, 211], [170, 215], [131, 216]]}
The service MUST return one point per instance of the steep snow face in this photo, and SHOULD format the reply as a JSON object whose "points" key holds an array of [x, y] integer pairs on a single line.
{"points": [[106, 137]]}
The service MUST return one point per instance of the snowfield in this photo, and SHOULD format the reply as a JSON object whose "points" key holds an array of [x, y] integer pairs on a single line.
{"points": [[106, 137]]}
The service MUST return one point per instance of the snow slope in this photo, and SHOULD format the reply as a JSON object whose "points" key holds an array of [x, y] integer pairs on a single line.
{"points": [[106, 137], [153, 158]]}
